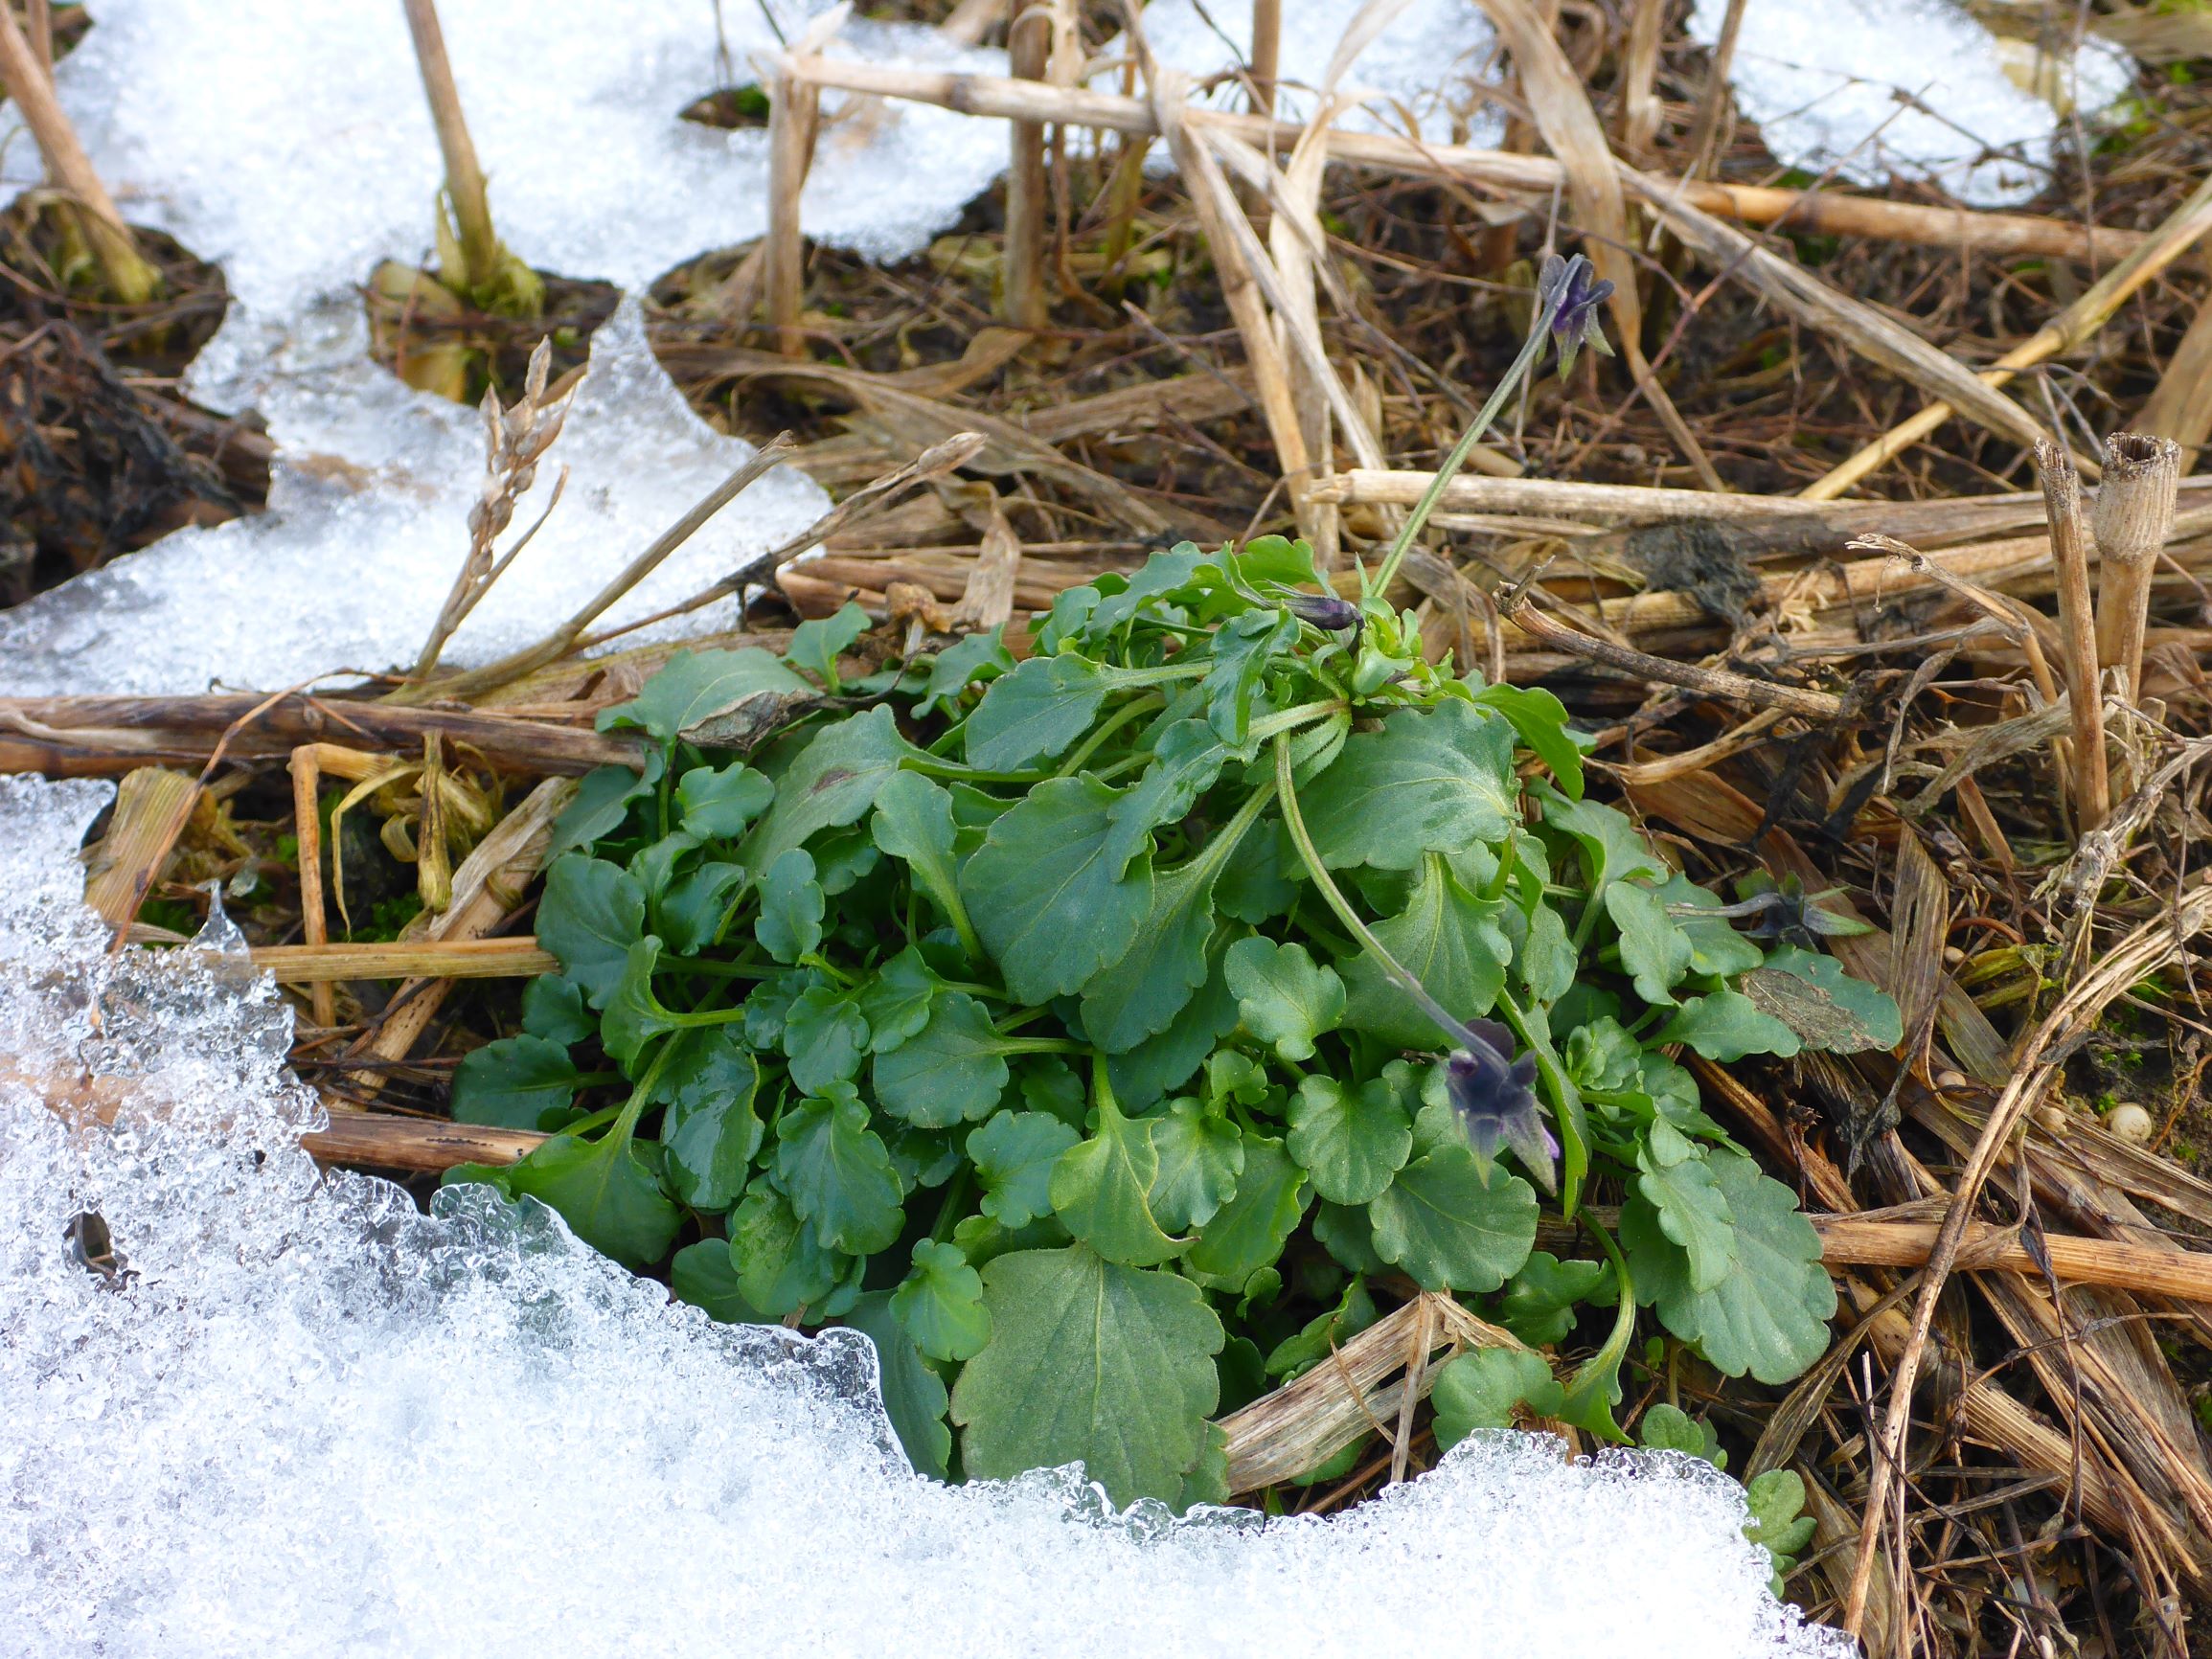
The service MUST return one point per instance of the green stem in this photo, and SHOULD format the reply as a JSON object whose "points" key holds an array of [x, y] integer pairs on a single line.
{"points": [[1530, 349], [1107, 728], [1041, 1046], [1269, 726], [1566, 1099], [952, 771], [955, 1200], [1589, 1401], [1325, 884]]}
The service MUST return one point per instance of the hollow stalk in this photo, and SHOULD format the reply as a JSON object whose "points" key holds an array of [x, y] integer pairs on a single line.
{"points": [[465, 184]]}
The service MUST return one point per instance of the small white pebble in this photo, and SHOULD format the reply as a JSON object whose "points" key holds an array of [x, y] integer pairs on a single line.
{"points": [[1950, 1079], [2130, 1121]]}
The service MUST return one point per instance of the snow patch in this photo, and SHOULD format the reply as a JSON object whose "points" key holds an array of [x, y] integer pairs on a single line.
{"points": [[1914, 88], [308, 1419], [289, 141]]}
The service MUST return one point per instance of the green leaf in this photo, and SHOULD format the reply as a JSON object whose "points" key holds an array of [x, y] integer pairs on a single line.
{"points": [[1601, 1058], [1052, 904], [1545, 964], [689, 912], [592, 913], [609, 1198], [914, 822], [601, 805], [1654, 950], [655, 866], [632, 1018], [1208, 1482], [1612, 845], [1354, 1313], [711, 1130], [1344, 1231], [1540, 721], [1539, 1306], [790, 924], [1778, 1524], [1715, 948], [1102, 1191], [941, 1302], [952, 1071], [1448, 940], [818, 643], [1187, 756], [1449, 1231], [719, 803], [832, 783], [1140, 995], [1249, 1231], [1282, 996], [1725, 1025], [1670, 1428], [1680, 1186], [1035, 711], [1350, 1140], [839, 1174], [1480, 1388], [1092, 1361], [976, 657], [896, 998], [1254, 886], [1244, 646], [703, 1275], [553, 1008], [780, 1265], [914, 1396], [825, 1034], [1770, 1316], [698, 685], [1141, 1075], [1013, 1153], [518, 1082], [1823, 1005], [1431, 780], [1160, 575], [1200, 1154]]}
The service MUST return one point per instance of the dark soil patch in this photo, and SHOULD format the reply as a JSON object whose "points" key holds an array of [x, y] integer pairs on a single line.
{"points": [[100, 454], [416, 328]]}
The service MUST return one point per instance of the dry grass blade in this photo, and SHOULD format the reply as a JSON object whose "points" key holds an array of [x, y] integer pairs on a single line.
{"points": [[2070, 557], [29, 87], [126, 861], [487, 887], [1822, 212], [406, 959], [515, 439], [1851, 323], [2181, 230], [1714, 682], [2149, 947], [1283, 1434], [2181, 408], [569, 634], [1570, 127]]}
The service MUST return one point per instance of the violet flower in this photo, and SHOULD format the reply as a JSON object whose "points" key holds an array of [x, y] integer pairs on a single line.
{"points": [[1496, 1099], [1570, 294], [1328, 612]]}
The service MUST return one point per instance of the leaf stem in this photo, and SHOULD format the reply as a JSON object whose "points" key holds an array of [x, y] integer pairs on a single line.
{"points": [[1107, 728], [1530, 349], [1295, 820]]}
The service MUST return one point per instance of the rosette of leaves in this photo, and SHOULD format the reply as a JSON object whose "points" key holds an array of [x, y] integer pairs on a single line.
{"points": [[1009, 1013]]}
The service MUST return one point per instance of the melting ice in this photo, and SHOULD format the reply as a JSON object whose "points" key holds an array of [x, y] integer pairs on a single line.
{"points": [[1911, 87], [288, 140], [309, 1420]]}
